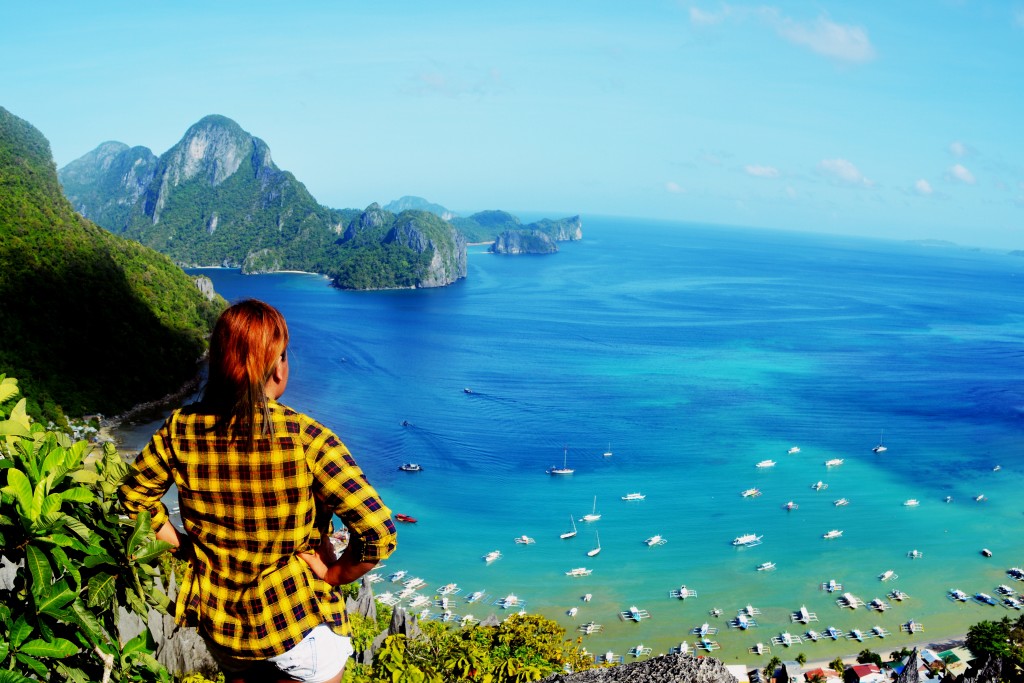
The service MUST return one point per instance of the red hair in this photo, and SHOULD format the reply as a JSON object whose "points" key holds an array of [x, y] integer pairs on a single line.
{"points": [[248, 341]]}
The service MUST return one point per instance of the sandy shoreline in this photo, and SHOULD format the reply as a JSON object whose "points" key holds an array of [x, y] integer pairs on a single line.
{"points": [[938, 645]]}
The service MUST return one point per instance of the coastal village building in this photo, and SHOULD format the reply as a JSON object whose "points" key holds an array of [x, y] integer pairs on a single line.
{"points": [[864, 673], [827, 674]]}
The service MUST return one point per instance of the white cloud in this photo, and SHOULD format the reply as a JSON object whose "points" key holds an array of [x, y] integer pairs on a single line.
{"points": [[923, 187], [844, 42], [961, 174], [958, 149], [674, 187], [844, 171], [762, 171]]}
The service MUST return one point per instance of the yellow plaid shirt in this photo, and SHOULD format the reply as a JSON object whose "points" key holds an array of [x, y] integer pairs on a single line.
{"points": [[248, 514]]}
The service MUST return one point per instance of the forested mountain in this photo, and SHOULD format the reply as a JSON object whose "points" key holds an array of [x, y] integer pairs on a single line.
{"points": [[486, 226], [90, 321], [217, 198]]}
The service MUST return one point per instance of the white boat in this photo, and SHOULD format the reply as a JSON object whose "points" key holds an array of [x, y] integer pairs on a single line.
{"points": [[915, 554], [832, 586], [911, 502], [766, 566], [593, 516], [790, 506], [524, 540], [564, 469], [751, 493], [594, 551], [794, 450], [635, 613], [492, 556], [912, 627], [579, 571], [819, 486], [588, 597], [833, 633], [640, 650], [841, 502], [634, 496], [834, 462], [448, 589], [654, 540], [415, 582], [879, 448], [855, 634], [878, 605], [879, 631], [1013, 603], [958, 595], [1004, 589], [887, 574], [411, 467], [590, 628], [474, 596], [468, 619], [764, 464], [397, 576], [813, 635], [985, 598], [608, 453], [419, 601], [570, 534], [573, 611], [834, 533], [509, 601], [897, 594], [980, 498], [747, 540]]}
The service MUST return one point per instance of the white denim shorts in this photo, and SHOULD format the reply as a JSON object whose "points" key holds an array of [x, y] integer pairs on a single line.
{"points": [[318, 657]]}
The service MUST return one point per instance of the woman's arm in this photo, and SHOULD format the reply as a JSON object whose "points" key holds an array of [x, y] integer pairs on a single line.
{"points": [[340, 571]]}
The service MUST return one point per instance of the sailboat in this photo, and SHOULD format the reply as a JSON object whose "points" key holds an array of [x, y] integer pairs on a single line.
{"points": [[564, 469], [879, 448], [595, 551], [570, 534], [608, 452], [593, 516]]}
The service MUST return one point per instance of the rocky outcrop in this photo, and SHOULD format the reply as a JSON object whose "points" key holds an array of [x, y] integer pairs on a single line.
{"points": [[561, 230], [104, 184], [523, 242], [665, 669], [411, 203], [205, 285]]}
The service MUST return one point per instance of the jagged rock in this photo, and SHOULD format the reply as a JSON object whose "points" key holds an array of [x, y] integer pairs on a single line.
{"points": [[205, 286], [910, 673], [664, 669], [365, 604], [491, 620], [406, 624], [523, 242], [989, 671]]}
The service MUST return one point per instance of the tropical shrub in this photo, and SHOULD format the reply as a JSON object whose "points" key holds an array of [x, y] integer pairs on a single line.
{"points": [[77, 560]]}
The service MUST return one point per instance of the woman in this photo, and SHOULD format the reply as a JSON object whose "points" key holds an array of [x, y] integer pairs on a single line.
{"points": [[258, 484]]}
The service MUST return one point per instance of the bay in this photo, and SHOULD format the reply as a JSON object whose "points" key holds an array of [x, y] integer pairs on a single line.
{"points": [[692, 352]]}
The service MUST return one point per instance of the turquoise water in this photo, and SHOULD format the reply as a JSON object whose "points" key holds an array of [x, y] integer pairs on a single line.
{"points": [[694, 352]]}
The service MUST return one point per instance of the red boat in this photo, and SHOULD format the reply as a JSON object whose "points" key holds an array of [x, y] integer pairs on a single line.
{"points": [[405, 518]]}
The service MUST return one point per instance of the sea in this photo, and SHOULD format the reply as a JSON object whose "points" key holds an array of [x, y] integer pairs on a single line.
{"points": [[668, 359]]}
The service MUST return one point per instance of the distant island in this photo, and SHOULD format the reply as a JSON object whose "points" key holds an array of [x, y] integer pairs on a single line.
{"points": [[217, 199]]}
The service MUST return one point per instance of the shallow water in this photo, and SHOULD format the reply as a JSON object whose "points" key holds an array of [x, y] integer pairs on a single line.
{"points": [[693, 352]]}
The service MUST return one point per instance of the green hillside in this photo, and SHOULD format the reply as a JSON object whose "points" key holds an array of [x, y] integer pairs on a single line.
{"points": [[90, 321]]}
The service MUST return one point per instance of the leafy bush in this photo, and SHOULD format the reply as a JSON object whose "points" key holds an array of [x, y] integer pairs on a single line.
{"points": [[77, 559]]}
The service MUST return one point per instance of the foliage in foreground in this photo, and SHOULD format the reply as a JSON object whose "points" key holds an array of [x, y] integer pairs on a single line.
{"points": [[78, 560], [1003, 639]]}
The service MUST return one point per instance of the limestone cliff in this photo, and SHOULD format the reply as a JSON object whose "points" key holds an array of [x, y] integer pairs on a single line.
{"points": [[105, 184], [523, 242]]}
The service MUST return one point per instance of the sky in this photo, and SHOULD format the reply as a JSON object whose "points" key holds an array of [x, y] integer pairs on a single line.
{"points": [[901, 120]]}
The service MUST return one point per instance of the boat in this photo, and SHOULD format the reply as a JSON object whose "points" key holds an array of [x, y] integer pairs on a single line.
{"points": [[997, 468], [593, 516], [475, 596], [509, 601], [634, 496], [790, 506], [980, 498], [448, 589], [408, 519], [879, 448], [841, 502], [766, 566], [397, 576], [764, 464], [794, 450], [911, 503], [594, 551], [832, 586], [715, 611], [635, 613], [878, 604], [855, 634], [915, 554], [492, 556], [467, 390], [985, 598], [833, 633], [958, 595], [879, 631], [414, 583], [579, 571], [640, 650], [588, 597], [751, 493], [654, 540], [570, 534], [897, 594], [410, 467], [813, 635], [573, 611], [887, 574], [986, 552], [1004, 589], [608, 453], [419, 601], [819, 486], [834, 462], [524, 540], [747, 540], [1013, 603], [912, 627], [589, 628], [834, 533], [564, 469], [948, 499]]}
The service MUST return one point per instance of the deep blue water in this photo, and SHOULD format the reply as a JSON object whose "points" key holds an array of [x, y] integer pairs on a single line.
{"points": [[694, 352]]}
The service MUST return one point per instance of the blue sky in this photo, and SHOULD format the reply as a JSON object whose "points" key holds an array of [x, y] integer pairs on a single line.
{"points": [[887, 119]]}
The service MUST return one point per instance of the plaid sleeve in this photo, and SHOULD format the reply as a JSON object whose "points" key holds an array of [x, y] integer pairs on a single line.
{"points": [[343, 487], [149, 479]]}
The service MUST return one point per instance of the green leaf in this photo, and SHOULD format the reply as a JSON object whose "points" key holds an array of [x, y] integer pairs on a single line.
{"points": [[17, 423], [20, 631], [147, 660], [8, 388], [136, 603], [140, 643], [60, 596], [75, 525], [7, 676], [84, 477], [51, 504], [5, 648], [65, 564], [39, 569], [79, 494], [57, 648], [70, 674], [31, 662], [37, 500], [19, 486], [101, 589], [91, 626], [92, 561], [142, 527], [151, 551]]}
